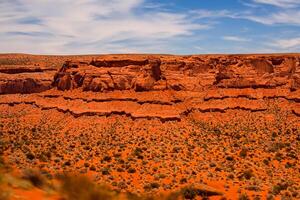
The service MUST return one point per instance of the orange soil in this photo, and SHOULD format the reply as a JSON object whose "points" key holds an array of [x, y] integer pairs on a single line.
{"points": [[230, 122]]}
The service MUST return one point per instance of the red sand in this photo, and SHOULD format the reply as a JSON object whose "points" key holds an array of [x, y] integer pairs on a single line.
{"points": [[230, 122]]}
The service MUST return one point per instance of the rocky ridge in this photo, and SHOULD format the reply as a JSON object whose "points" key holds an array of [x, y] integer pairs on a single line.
{"points": [[163, 87]]}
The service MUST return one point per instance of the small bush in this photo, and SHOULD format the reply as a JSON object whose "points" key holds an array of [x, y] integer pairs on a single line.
{"points": [[131, 170], [105, 171], [276, 189], [30, 156], [1, 162], [152, 185], [81, 188], [243, 196], [93, 168], [183, 180], [243, 153], [246, 174], [189, 193], [35, 177]]}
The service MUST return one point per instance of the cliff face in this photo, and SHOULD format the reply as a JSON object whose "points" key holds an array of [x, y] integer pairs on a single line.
{"points": [[154, 86], [193, 73], [24, 79], [147, 73], [150, 73]]}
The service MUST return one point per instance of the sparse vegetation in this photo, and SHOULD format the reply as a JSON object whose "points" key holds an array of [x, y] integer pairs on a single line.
{"points": [[172, 155], [35, 178], [80, 188], [243, 196]]}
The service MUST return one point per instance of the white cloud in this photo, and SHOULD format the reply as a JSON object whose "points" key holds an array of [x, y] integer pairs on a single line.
{"points": [[214, 14], [283, 16], [289, 17], [280, 3], [87, 26], [201, 14], [291, 43], [235, 39], [126, 26]]}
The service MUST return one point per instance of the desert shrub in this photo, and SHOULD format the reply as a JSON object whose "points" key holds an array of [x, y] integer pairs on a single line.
{"points": [[131, 170], [107, 158], [278, 156], [42, 157], [192, 192], [81, 188], [30, 155], [93, 168], [270, 197], [266, 161], [154, 185], [189, 193], [243, 153], [150, 186], [137, 151], [86, 164], [252, 188], [35, 178], [1, 162], [105, 171], [246, 174], [243, 196], [183, 180], [276, 189]]}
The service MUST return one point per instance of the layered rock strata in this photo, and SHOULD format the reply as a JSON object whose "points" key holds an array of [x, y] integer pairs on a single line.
{"points": [[157, 86]]}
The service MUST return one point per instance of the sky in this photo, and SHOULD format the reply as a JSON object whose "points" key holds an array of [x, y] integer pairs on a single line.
{"points": [[149, 26]]}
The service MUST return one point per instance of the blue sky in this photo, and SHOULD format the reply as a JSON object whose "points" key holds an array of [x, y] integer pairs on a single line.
{"points": [[149, 26]]}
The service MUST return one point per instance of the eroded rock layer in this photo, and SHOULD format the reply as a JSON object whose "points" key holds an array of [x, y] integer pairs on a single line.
{"points": [[190, 73], [152, 86]]}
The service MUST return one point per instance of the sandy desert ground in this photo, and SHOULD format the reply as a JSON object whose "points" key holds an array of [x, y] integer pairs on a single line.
{"points": [[150, 127]]}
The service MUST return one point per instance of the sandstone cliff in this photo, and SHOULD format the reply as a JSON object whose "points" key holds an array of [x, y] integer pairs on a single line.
{"points": [[153, 86]]}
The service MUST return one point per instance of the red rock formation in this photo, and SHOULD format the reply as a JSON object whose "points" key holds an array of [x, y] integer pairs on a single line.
{"points": [[191, 73], [135, 85], [24, 79], [103, 75]]}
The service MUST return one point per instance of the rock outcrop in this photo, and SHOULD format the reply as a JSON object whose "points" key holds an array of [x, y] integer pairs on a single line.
{"points": [[190, 73], [24, 79], [157, 86], [109, 75]]}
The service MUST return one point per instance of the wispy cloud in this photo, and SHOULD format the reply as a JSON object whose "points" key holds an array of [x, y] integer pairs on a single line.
{"points": [[287, 12], [288, 17], [127, 26], [280, 3], [211, 14], [235, 39], [84, 23], [290, 43], [282, 16]]}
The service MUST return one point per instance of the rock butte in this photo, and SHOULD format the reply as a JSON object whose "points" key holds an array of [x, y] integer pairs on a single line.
{"points": [[151, 86]]}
